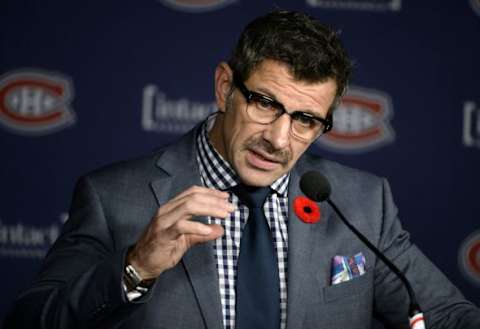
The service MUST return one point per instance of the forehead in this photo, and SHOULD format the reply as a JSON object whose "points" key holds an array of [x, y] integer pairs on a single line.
{"points": [[275, 79]]}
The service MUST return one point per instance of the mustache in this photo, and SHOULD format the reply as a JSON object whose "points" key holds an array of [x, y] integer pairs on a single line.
{"points": [[259, 144]]}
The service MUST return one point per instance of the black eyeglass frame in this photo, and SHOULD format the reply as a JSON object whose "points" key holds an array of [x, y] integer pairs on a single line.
{"points": [[250, 95]]}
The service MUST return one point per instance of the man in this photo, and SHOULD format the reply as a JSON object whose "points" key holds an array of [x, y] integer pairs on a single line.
{"points": [[163, 241]]}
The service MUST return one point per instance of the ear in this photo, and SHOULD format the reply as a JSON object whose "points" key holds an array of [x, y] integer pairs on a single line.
{"points": [[223, 83]]}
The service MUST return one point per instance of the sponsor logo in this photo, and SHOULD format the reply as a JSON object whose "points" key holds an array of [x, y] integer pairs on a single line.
{"points": [[35, 103], [393, 5], [196, 5], [163, 115], [28, 241], [475, 5], [361, 122], [471, 125], [469, 257]]}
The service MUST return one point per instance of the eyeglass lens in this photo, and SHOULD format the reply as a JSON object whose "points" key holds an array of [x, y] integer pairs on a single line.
{"points": [[303, 126]]}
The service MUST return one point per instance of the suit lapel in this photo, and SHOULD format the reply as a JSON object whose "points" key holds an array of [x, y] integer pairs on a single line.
{"points": [[181, 171], [304, 273]]}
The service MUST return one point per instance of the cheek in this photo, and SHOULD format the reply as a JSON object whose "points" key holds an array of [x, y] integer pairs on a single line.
{"points": [[233, 143], [236, 140], [233, 132], [237, 130], [239, 136]]}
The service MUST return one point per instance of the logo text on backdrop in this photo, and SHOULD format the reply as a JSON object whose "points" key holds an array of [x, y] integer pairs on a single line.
{"points": [[393, 5], [196, 5], [35, 103], [168, 116], [471, 124], [21, 240], [361, 122]]}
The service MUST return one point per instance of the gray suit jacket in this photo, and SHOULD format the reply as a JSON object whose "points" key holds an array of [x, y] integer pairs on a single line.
{"points": [[80, 283]]}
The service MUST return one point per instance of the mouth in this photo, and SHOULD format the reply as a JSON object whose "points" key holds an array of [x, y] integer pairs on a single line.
{"points": [[262, 161]]}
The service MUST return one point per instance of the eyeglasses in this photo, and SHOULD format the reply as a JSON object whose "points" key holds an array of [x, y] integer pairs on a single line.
{"points": [[265, 110]]}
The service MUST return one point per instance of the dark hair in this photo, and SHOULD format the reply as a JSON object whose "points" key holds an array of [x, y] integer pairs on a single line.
{"points": [[312, 50]]}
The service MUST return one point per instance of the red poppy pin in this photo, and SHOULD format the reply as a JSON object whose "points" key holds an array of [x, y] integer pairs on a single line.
{"points": [[306, 209]]}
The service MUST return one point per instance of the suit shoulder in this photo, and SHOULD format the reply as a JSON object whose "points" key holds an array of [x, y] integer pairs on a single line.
{"points": [[334, 170], [138, 169], [138, 173], [347, 183]]}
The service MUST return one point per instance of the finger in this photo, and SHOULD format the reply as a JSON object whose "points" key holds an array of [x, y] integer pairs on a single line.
{"points": [[202, 190], [194, 239], [209, 208], [191, 227], [196, 192], [183, 214], [197, 204]]}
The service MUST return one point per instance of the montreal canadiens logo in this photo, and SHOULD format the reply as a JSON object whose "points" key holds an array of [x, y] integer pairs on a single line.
{"points": [[469, 257], [35, 103], [361, 122], [196, 5]]}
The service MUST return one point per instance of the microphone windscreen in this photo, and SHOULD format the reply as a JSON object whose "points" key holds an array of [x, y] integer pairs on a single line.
{"points": [[315, 186]]}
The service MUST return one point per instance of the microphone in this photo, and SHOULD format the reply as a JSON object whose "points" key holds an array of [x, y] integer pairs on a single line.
{"points": [[316, 187]]}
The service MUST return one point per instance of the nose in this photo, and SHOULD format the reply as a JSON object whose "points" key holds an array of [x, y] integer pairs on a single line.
{"points": [[278, 132]]}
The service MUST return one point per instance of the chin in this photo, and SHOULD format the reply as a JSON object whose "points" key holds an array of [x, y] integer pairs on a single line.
{"points": [[258, 178]]}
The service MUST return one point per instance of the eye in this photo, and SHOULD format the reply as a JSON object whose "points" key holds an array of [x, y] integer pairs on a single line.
{"points": [[305, 119], [263, 102]]}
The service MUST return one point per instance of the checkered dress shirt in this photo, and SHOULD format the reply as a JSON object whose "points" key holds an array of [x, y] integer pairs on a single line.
{"points": [[216, 173]]}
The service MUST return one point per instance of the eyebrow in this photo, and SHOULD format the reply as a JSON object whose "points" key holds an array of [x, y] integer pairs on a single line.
{"points": [[267, 93]]}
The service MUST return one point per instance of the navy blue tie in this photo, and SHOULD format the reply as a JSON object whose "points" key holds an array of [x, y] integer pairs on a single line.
{"points": [[258, 287]]}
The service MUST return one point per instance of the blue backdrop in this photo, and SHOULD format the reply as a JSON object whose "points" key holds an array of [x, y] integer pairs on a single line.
{"points": [[83, 84]]}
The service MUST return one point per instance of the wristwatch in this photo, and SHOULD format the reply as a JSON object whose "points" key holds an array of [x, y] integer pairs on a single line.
{"points": [[133, 280]]}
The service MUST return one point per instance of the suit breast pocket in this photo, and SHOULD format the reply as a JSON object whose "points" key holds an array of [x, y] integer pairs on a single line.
{"points": [[351, 288], [345, 305]]}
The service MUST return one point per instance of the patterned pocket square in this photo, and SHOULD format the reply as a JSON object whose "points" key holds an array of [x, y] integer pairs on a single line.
{"points": [[345, 268]]}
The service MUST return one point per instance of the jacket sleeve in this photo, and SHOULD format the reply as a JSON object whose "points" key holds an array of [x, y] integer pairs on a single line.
{"points": [[443, 305], [80, 283]]}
